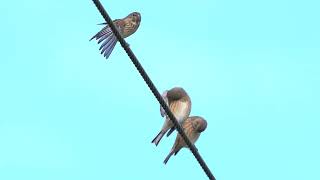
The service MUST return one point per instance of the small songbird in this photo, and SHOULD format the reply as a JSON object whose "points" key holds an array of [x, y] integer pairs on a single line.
{"points": [[179, 103], [193, 126], [126, 26]]}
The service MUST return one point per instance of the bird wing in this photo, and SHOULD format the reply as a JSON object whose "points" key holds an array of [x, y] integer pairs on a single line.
{"points": [[107, 38], [105, 31], [164, 96]]}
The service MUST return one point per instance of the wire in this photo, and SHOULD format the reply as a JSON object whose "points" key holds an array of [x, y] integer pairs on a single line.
{"points": [[152, 87]]}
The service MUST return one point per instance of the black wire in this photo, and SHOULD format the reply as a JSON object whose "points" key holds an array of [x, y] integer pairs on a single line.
{"points": [[152, 87]]}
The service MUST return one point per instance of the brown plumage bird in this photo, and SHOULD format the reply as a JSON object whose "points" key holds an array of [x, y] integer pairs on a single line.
{"points": [[180, 104], [193, 126], [126, 26]]}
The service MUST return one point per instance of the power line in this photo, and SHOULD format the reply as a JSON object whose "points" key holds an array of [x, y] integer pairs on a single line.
{"points": [[154, 90]]}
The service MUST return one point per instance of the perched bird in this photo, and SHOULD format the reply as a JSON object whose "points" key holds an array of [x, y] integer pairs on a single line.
{"points": [[193, 126], [180, 104], [125, 26]]}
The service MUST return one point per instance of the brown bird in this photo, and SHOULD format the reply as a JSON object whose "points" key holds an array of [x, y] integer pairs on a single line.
{"points": [[193, 126], [126, 26], [180, 104]]}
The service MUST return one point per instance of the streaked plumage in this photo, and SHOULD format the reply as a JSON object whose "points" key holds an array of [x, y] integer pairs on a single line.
{"points": [[126, 26], [193, 126], [180, 104]]}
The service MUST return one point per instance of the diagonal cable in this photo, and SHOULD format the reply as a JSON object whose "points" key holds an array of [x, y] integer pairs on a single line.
{"points": [[154, 90]]}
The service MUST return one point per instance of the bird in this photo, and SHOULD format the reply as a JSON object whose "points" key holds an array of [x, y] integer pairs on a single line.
{"points": [[179, 103], [126, 26], [193, 127]]}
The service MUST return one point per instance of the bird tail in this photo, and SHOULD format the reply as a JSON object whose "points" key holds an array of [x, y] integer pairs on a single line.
{"points": [[168, 157], [157, 139]]}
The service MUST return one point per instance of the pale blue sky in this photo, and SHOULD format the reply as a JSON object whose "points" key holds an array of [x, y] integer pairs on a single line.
{"points": [[250, 67]]}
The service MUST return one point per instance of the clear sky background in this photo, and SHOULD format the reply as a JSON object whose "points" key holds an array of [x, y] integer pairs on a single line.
{"points": [[251, 69]]}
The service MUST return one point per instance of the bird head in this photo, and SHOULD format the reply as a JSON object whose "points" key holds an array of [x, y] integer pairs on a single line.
{"points": [[135, 16], [200, 124], [180, 92]]}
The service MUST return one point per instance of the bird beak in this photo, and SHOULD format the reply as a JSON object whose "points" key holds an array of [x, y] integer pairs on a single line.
{"points": [[139, 17]]}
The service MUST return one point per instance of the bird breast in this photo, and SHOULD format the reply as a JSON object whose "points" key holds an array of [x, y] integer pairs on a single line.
{"points": [[181, 111]]}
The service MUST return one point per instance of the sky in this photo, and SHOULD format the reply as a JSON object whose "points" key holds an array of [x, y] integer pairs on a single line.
{"points": [[250, 67]]}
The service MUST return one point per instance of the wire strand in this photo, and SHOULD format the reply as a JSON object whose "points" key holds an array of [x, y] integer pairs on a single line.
{"points": [[154, 90]]}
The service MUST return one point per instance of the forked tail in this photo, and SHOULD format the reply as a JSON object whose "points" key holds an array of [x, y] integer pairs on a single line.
{"points": [[157, 139]]}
